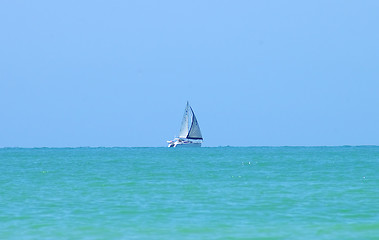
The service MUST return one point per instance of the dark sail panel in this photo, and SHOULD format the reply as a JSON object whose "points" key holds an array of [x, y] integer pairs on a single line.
{"points": [[194, 132]]}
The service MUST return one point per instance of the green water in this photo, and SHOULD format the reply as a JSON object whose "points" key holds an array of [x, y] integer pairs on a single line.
{"points": [[206, 193]]}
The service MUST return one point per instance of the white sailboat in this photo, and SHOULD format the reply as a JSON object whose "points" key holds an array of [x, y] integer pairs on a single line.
{"points": [[190, 134]]}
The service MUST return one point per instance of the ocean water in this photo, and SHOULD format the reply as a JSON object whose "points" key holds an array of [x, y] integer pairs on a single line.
{"points": [[206, 193]]}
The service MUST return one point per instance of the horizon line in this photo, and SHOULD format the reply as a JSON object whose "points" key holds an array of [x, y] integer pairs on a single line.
{"points": [[231, 146]]}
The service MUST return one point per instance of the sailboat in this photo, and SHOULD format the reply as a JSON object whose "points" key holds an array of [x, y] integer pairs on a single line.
{"points": [[190, 134]]}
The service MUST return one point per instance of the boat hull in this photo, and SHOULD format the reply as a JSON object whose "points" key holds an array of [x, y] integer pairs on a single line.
{"points": [[185, 145]]}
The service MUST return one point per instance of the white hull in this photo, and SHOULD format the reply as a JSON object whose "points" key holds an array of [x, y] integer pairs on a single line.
{"points": [[183, 144]]}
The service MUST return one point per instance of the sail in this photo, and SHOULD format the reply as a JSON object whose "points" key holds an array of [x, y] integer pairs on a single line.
{"points": [[184, 129], [190, 127], [194, 132]]}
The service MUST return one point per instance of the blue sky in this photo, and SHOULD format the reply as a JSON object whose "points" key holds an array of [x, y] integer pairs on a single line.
{"points": [[119, 73]]}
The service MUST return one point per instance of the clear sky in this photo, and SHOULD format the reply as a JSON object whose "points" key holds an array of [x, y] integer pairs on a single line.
{"points": [[119, 73]]}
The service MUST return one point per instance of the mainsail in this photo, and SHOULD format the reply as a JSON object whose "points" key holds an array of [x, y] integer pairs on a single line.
{"points": [[184, 129], [190, 127]]}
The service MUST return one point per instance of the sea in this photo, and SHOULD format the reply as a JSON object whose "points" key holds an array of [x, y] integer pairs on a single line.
{"points": [[199, 193]]}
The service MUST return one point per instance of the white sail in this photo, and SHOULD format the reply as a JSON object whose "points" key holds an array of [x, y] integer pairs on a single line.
{"points": [[184, 129], [194, 132], [190, 127]]}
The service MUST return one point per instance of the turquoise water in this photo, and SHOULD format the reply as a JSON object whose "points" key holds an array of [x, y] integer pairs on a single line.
{"points": [[205, 193]]}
